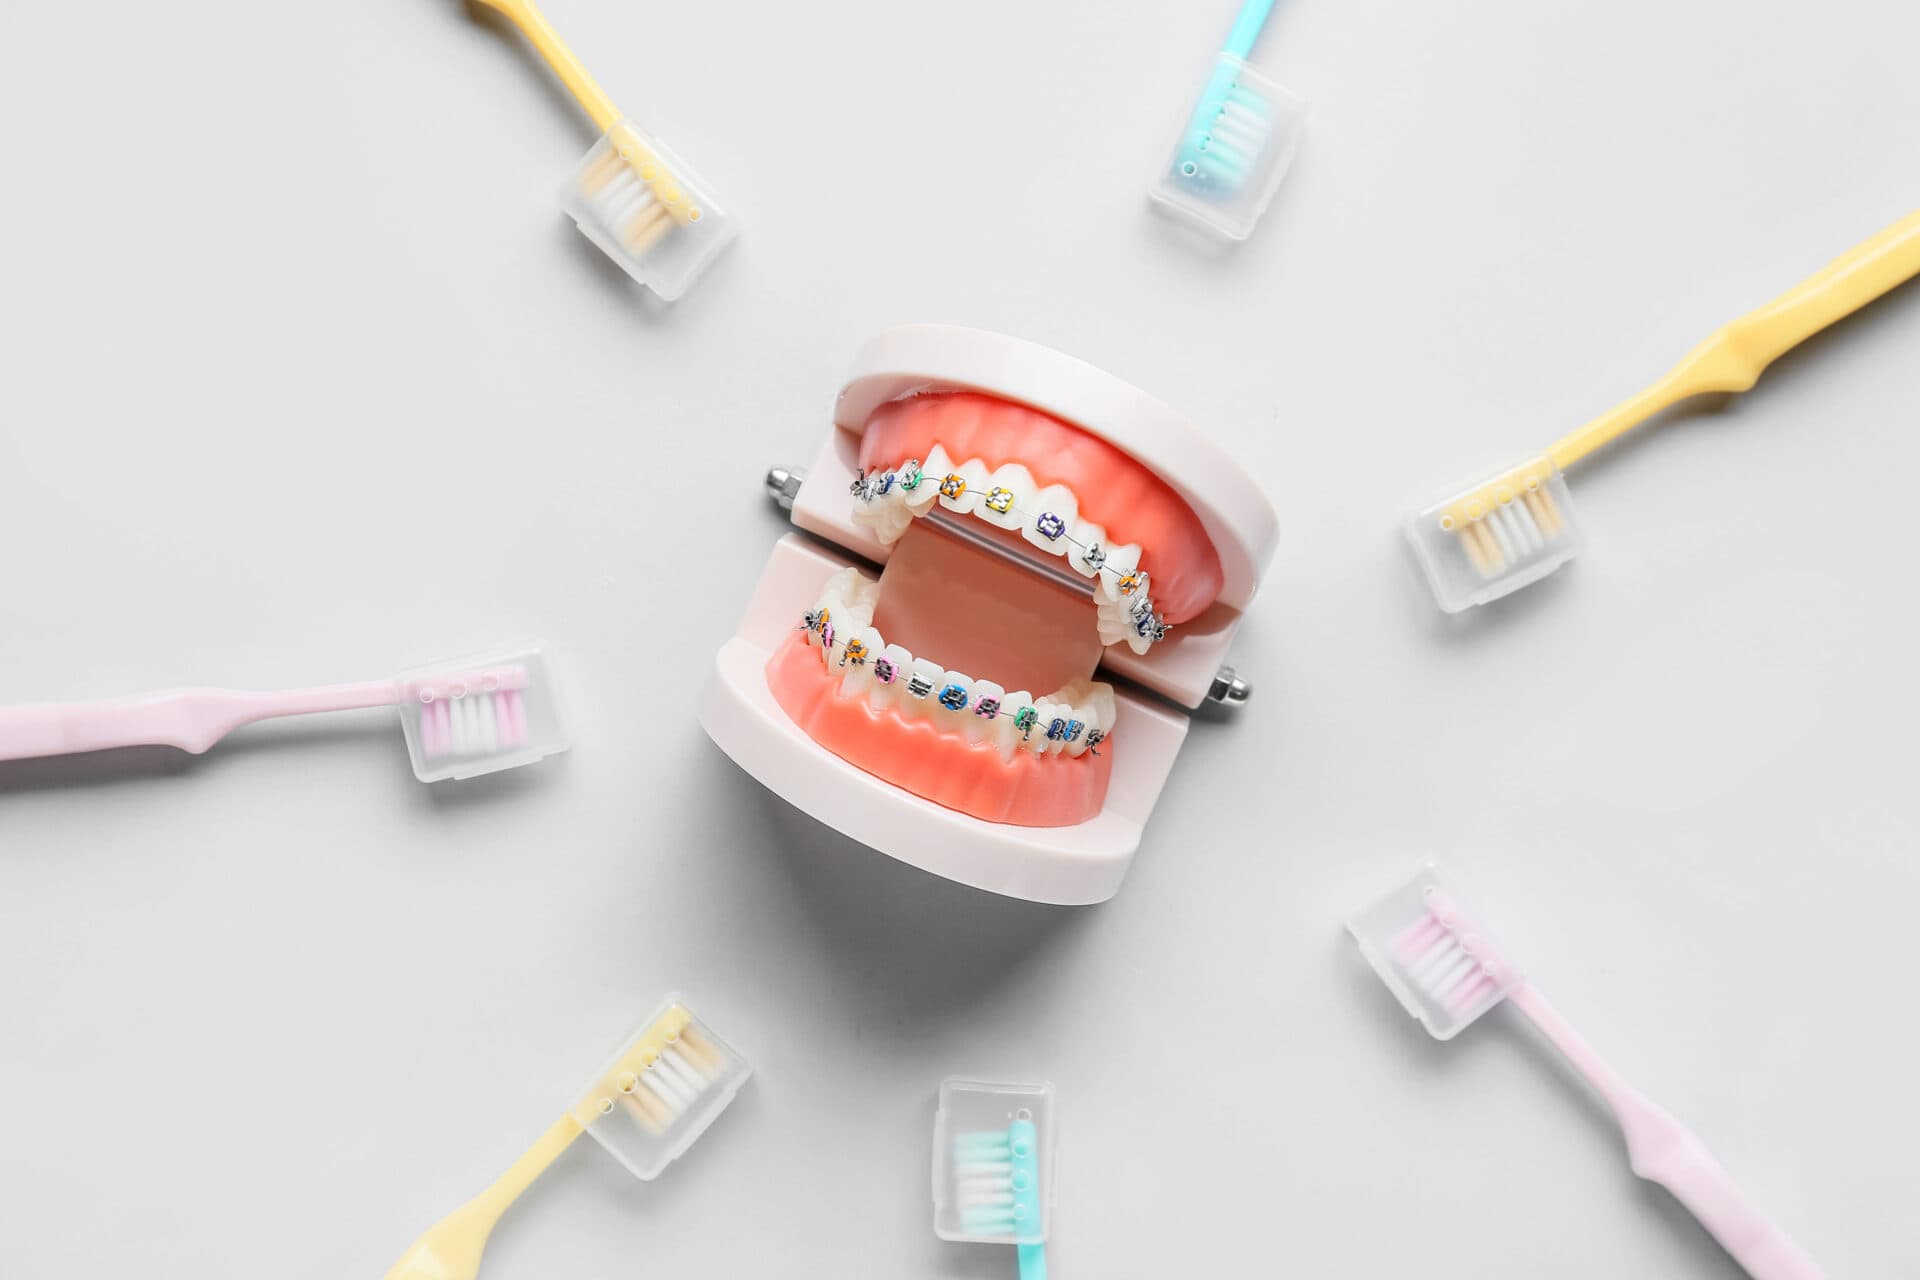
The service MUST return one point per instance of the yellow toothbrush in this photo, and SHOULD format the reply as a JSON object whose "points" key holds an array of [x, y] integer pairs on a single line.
{"points": [[631, 196], [646, 1106], [1518, 527]]}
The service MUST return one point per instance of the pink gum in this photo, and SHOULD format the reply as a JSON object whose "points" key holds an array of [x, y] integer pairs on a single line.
{"points": [[1115, 492], [1027, 791]]}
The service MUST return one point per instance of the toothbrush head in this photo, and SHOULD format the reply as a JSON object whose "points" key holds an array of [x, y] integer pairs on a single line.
{"points": [[992, 1162], [1442, 964], [659, 1093], [478, 715], [646, 210], [1498, 536], [1233, 150]]}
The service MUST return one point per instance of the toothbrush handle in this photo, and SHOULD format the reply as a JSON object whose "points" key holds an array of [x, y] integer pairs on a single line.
{"points": [[451, 1247], [1663, 1150], [533, 24], [1246, 28], [1033, 1262], [190, 719], [1733, 358]]}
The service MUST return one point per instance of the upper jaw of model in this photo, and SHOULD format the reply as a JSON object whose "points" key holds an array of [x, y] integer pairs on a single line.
{"points": [[1007, 497]]}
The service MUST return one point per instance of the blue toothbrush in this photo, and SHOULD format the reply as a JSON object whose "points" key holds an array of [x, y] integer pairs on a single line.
{"points": [[1230, 123]]}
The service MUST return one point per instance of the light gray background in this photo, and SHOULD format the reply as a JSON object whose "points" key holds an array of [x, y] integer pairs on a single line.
{"points": [[307, 377]]}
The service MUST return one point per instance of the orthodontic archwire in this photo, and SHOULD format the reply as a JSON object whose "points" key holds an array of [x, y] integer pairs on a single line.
{"points": [[1148, 625]]}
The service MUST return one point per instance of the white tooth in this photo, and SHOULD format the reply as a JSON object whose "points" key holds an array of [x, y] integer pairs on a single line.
{"points": [[1096, 704], [981, 727], [948, 716], [890, 693], [858, 675], [1121, 561], [924, 674], [1058, 508], [937, 465], [1017, 488], [1049, 711], [972, 484], [1006, 734], [1086, 535]]}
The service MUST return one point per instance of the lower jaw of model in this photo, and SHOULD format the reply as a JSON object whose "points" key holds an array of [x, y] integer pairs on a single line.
{"points": [[878, 672]]}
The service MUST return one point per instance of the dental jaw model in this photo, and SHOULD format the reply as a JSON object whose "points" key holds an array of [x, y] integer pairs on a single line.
{"points": [[1039, 524]]}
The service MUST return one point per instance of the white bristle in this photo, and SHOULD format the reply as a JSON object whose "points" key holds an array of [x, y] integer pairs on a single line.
{"points": [[476, 724]]}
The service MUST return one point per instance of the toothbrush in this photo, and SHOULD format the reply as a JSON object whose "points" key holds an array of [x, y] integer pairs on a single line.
{"points": [[1229, 124], [1447, 971], [631, 196], [997, 1177], [647, 1106], [460, 719], [1518, 527], [1237, 140]]}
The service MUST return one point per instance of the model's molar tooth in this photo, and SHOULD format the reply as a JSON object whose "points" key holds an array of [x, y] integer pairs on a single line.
{"points": [[1009, 497], [962, 487], [884, 692], [1089, 549], [886, 514], [859, 666], [1121, 561], [1053, 512], [919, 499], [1007, 734], [984, 714]]}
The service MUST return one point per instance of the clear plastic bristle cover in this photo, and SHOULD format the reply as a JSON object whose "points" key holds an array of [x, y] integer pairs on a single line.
{"points": [[993, 1162], [1234, 146], [1441, 962], [476, 715], [647, 210], [1497, 537], [661, 1091]]}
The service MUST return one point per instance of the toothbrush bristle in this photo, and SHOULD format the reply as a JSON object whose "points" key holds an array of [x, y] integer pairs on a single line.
{"points": [[473, 714], [1516, 528], [672, 1080], [630, 200], [1449, 965], [1225, 149], [992, 1194]]}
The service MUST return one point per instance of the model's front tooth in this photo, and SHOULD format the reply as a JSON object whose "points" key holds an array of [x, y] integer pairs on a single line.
{"points": [[954, 694], [1009, 497], [962, 487], [921, 685], [1053, 512], [1008, 735], [1123, 562], [859, 662], [1089, 549], [919, 499], [890, 677], [984, 714]]}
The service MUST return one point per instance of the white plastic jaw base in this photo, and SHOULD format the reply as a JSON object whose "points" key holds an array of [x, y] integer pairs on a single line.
{"points": [[1065, 866]]}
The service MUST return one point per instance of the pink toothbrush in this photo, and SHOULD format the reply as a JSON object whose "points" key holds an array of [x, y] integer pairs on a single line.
{"points": [[461, 719], [1447, 971]]}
